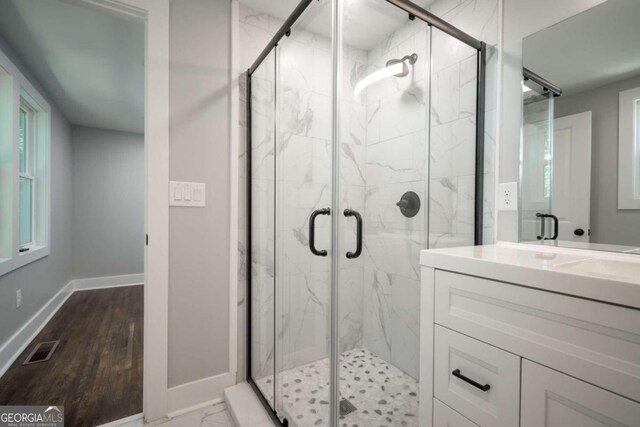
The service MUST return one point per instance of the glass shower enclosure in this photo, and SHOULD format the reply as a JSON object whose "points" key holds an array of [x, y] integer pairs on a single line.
{"points": [[365, 145], [536, 157]]}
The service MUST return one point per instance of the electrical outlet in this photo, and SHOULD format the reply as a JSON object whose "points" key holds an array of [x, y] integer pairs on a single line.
{"points": [[18, 298], [508, 196]]}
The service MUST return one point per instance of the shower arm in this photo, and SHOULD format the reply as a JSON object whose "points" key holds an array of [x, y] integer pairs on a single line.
{"points": [[393, 67]]}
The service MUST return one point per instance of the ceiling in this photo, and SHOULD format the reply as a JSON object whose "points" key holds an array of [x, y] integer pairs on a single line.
{"points": [[592, 49], [89, 61], [366, 22]]}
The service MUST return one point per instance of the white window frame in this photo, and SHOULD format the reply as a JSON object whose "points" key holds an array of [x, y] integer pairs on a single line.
{"points": [[16, 93], [629, 149], [31, 137]]}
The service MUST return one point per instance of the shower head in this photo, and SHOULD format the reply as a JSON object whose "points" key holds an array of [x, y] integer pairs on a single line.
{"points": [[411, 59], [394, 67]]}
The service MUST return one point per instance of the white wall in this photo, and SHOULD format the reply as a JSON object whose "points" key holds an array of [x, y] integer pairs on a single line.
{"points": [[522, 18], [108, 202], [608, 224], [42, 279], [199, 151]]}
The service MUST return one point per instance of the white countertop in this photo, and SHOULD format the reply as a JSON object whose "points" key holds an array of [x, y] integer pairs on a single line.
{"points": [[541, 267]]}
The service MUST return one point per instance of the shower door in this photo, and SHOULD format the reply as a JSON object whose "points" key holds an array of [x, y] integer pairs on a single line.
{"points": [[303, 218], [406, 174], [382, 206], [536, 169], [364, 151]]}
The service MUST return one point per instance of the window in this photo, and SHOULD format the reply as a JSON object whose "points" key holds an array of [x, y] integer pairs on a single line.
{"points": [[26, 136], [629, 150], [24, 170]]}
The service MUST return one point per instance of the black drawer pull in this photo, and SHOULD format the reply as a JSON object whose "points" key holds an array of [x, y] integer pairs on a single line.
{"points": [[457, 374]]}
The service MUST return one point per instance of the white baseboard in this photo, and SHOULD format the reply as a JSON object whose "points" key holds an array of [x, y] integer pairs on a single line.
{"points": [[107, 282], [15, 345], [198, 393]]}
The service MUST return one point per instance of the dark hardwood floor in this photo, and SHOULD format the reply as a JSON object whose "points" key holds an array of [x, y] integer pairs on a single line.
{"points": [[96, 371]]}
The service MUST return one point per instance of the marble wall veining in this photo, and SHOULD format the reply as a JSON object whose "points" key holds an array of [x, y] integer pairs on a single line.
{"points": [[396, 162], [415, 133], [291, 186]]}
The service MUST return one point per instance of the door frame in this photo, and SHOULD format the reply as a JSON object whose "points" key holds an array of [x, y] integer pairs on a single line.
{"points": [[155, 15]]}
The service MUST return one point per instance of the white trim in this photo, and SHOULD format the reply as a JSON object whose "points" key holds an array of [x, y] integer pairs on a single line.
{"points": [[15, 345], [498, 119], [16, 88], [628, 152], [156, 291], [155, 14], [234, 141], [186, 397], [106, 282]]}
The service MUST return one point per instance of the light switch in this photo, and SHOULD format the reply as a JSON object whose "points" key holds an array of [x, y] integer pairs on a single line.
{"points": [[187, 194], [177, 192]]}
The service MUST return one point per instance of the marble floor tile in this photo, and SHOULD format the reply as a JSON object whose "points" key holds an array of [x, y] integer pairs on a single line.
{"points": [[382, 394], [210, 416]]}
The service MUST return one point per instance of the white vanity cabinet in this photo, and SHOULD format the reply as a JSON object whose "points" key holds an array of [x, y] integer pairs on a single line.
{"points": [[498, 351], [550, 398]]}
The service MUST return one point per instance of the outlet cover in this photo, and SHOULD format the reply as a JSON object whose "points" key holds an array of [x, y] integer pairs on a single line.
{"points": [[508, 196]]}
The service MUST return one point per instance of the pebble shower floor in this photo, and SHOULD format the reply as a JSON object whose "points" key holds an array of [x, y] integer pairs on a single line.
{"points": [[382, 394]]}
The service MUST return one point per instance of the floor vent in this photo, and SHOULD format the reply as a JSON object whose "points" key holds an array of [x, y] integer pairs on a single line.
{"points": [[42, 352], [346, 407]]}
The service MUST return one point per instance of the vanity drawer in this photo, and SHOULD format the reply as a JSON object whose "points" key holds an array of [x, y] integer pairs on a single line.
{"points": [[493, 401], [550, 399], [443, 416], [593, 341]]}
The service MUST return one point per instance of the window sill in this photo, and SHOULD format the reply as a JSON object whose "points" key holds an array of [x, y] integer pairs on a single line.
{"points": [[35, 253]]}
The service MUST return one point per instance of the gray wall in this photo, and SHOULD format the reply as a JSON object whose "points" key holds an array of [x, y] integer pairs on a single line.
{"points": [[42, 279], [608, 224], [199, 151], [108, 202]]}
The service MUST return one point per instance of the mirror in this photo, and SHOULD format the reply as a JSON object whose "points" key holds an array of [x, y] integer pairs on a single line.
{"points": [[580, 146]]}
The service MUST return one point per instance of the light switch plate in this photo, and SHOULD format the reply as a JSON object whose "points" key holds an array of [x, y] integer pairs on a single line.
{"points": [[508, 196], [187, 194]]}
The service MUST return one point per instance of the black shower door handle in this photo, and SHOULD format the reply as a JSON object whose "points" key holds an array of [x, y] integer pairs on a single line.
{"points": [[542, 217], [312, 231], [348, 213]]}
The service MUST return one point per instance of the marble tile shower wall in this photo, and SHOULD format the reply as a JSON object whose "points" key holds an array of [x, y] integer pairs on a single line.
{"points": [[452, 159], [396, 162], [383, 139]]}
